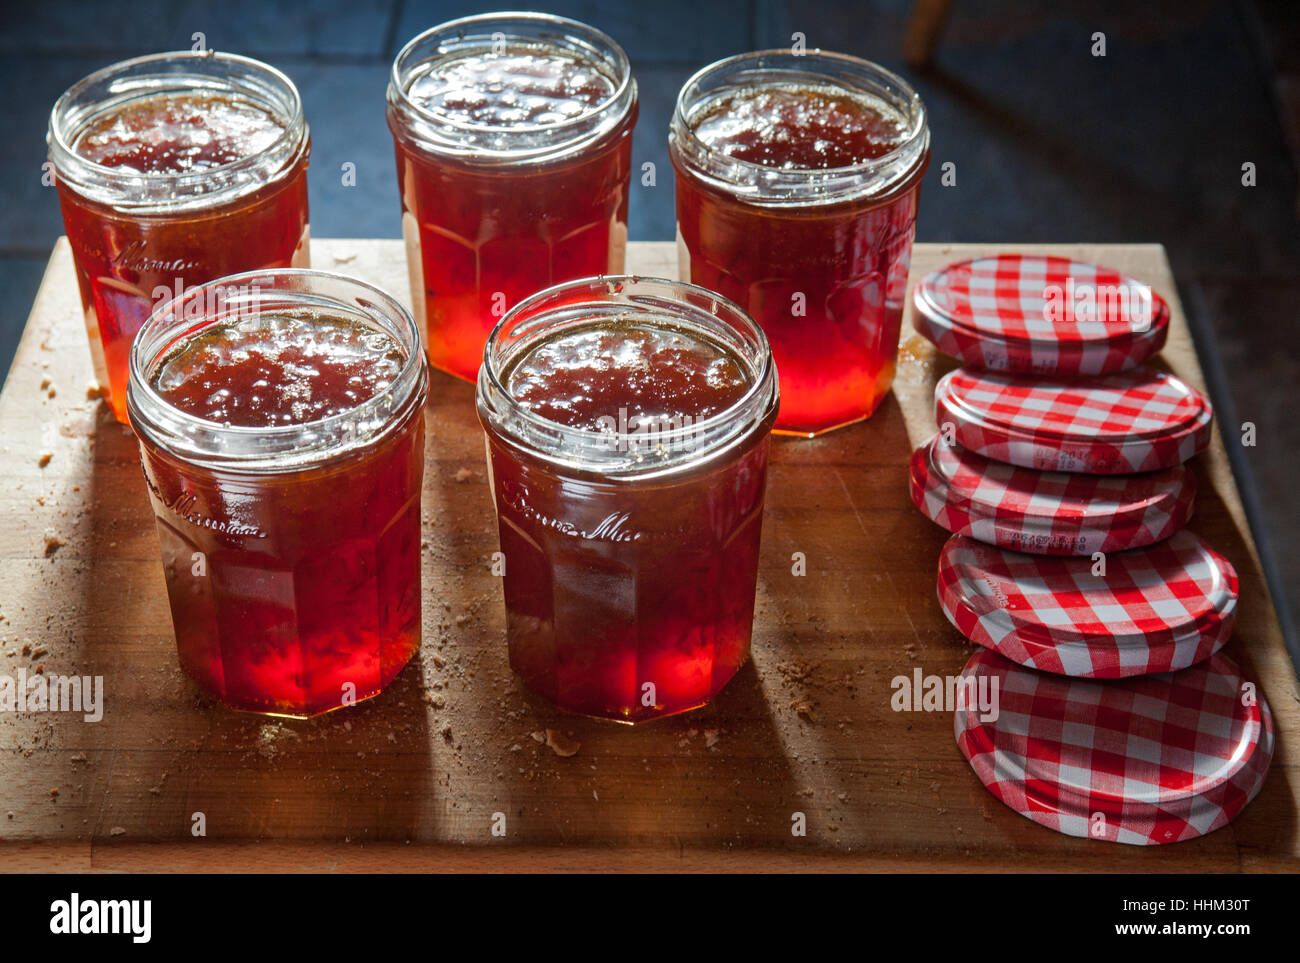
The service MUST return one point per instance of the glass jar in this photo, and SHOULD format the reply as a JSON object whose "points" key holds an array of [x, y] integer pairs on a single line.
{"points": [[513, 135], [174, 170], [291, 550], [630, 550], [818, 252]]}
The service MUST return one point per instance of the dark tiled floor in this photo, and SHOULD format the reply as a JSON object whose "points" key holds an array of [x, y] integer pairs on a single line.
{"points": [[1050, 143]]}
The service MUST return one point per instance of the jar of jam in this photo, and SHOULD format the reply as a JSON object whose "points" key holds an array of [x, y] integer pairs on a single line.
{"points": [[281, 424], [627, 425], [797, 184], [513, 135], [174, 170]]}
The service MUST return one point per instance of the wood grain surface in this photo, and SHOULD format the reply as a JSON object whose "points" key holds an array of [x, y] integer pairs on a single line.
{"points": [[412, 780]]}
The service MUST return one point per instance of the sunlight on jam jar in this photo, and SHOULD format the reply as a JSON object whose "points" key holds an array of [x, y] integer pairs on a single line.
{"points": [[513, 135], [174, 170], [627, 423], [797, 185], [281, 424]]}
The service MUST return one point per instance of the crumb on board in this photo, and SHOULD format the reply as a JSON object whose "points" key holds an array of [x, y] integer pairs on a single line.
{"points": [[796, 671], [433, 699], [271, 738], [804, 708], [561, 744], [52, 543], [44, 459]]}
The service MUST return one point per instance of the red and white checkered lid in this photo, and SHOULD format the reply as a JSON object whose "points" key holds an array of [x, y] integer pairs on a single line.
{"points": [[1040, 313], [1114, 424], [1152, 609], [1150, 760], [1047, 512]]}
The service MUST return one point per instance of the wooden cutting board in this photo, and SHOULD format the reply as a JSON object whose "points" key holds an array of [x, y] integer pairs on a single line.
{"points": [[416, 778]]}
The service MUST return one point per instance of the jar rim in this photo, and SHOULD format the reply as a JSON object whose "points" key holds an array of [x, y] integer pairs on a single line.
{"points": [[620, 453], [804, 184], [269, 87], [488, 142], [275, 447]]}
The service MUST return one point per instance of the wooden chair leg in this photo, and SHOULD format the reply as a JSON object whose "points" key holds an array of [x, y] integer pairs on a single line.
{"points": [[924, 27]]}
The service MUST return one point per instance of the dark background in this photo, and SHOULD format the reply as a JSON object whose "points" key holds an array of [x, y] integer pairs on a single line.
{"points": [[1050, 142]]}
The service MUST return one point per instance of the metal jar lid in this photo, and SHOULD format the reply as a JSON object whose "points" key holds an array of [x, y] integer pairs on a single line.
{"points": [[1144, 761], [1047, 512], [1114, 424], [1153, 609], [1040, 313]]}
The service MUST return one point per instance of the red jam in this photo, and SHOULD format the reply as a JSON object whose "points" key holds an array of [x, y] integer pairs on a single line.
{"points": [[648, 373], [824, 277], [485, 232], [129, 260], [282, 370], [177, 135], [515, 87], [297, 591], [797, 128], [629, 598]]}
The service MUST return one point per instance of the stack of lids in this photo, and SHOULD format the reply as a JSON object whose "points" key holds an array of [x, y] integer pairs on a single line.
{"points": [[1059, 467]]}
